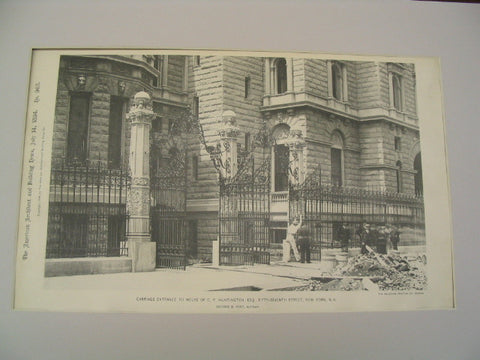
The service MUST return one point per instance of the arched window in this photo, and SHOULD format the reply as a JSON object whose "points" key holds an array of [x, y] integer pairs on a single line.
{"points": [[397, 92], [281, 75], [398, 173], [336, 159], [337, 82], [281, 157], [417, 166]]}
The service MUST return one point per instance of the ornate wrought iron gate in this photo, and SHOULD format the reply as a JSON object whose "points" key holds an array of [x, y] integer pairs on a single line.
{"points": [[244, 216], [168, 212]]}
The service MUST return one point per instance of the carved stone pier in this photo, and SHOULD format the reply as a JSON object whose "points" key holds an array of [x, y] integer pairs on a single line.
{"points": [[140, 248]]}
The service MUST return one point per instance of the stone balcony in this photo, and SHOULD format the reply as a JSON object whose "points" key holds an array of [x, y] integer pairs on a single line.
{"points": [[340, 108]]}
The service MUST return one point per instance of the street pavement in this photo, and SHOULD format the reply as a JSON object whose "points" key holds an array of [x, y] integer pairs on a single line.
{"points": [[199, 277]]}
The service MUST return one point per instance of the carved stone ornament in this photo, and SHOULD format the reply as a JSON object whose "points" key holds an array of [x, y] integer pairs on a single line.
{"points": [[81, 81], [295, 138], [141, 181], [228, 127], [141, 109], [121, 87], [139, 201]]}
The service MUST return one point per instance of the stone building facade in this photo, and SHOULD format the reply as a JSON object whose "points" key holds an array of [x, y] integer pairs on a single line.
{"points": [[356, 120]]}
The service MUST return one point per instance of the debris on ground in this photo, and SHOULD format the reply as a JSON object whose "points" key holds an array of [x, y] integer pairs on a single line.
{"points": [[329, 284], [389, 272], [345, 284]]}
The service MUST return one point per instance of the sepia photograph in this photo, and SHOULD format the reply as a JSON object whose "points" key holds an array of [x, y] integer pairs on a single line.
{"points": [[229, 181]]}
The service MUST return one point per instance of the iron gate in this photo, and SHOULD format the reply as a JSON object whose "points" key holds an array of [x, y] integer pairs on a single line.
{"points": [[244, 216], [168, 212]]}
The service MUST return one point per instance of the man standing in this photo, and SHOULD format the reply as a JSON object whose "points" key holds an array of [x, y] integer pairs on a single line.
{"points": [[344, 237], [395, 237], [303, 235], [291, 234], [364, 233]]}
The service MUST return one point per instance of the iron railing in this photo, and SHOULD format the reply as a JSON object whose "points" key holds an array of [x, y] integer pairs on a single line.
{"points": [[326, 208], [87, 211]]}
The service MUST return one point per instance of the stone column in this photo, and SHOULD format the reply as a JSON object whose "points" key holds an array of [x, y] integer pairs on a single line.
{"points": [[329, 79], [228, 134], [296, 144], [140, 247], [267, 84], [289, 74]]}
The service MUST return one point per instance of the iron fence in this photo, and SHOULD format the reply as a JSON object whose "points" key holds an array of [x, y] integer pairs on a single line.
{"points": [[334, 215], [87, 213]]}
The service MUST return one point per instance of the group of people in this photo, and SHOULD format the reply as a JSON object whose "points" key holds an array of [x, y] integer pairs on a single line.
{"points": [[380, 238]]}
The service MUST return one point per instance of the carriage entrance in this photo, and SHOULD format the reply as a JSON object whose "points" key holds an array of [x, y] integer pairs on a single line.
{"points": [[244, 216]]}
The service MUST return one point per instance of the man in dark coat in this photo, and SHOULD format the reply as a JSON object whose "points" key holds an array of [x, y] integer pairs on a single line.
{"points": [[303, 237], [395, 237], [364, 233], [344, 237]]}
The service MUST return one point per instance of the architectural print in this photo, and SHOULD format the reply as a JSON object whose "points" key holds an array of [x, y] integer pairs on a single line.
{"points": [[171, 161]]}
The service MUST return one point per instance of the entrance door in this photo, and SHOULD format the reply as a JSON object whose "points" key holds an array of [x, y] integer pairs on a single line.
{"points": [[282, 155]]}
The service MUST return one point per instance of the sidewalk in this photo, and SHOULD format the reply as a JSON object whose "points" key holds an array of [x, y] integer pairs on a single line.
{"points": [[200, 277]]}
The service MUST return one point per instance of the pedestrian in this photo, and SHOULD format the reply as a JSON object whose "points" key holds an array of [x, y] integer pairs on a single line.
{"points": [[292, 234], [372, 237], [364, 233], [381, 242], [344, 237], [303, 235], [395, 237]]}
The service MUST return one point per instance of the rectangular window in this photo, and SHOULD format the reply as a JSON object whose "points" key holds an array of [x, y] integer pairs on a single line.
{"points": [[195, 167], [115, 127], [247, 141], [397, 92], [247, 86], [336, 158], [170, 125], [195, 106], [78, 127], [398, 143], [197, 60]]}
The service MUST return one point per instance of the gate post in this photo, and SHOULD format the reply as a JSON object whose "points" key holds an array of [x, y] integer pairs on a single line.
{"points": [[140, 248], [228, 136]]}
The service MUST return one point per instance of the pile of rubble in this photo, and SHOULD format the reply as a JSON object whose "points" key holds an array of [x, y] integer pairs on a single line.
{"points": [[345, 284], [329, 284], [389, 272]]}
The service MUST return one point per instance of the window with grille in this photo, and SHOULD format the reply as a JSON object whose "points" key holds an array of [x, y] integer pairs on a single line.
{"points": [[77, 138]]}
